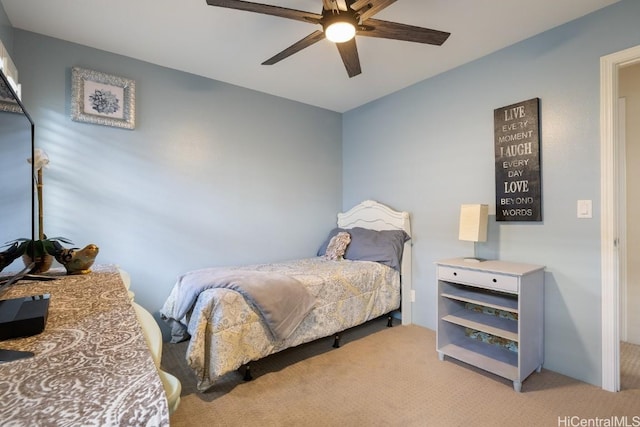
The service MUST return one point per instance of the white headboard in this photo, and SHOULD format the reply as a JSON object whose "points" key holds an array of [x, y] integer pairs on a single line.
{"points": [[376, 216]]}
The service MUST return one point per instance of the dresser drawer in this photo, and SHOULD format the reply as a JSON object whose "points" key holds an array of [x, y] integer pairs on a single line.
{"points": [[483, 279]]}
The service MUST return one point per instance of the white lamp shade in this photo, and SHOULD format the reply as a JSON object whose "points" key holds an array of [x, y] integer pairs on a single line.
{"points": [[474, 220], [340, 32]]}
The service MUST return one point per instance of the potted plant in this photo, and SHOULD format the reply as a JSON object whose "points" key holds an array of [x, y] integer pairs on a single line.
{"points": [[44, 249], [41, 251]]}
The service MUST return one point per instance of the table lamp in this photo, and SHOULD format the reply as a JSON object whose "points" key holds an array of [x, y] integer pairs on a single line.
{"points": [[473, 226]]}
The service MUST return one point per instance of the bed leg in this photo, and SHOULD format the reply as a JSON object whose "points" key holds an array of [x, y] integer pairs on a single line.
{"points": [[389, 321], [336, 341], [247, 373]]}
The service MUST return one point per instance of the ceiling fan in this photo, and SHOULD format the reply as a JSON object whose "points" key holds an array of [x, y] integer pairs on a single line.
{"points": [[341, 20]]}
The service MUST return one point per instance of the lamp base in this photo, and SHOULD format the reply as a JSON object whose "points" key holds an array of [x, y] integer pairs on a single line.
{"points": [[473, 260]]}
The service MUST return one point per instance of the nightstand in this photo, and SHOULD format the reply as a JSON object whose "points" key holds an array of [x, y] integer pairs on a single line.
{"points": [[491, 315]]}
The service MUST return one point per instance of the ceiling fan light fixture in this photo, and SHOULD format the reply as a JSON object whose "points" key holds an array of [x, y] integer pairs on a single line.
{"points": [[340, 32]]}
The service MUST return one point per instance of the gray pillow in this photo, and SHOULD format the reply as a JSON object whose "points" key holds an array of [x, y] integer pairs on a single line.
{"points": [[384, 246]]}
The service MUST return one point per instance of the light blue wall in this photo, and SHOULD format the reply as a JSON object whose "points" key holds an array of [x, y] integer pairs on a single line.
{"points": [[6, 31], [213, 174], [429, 148]]}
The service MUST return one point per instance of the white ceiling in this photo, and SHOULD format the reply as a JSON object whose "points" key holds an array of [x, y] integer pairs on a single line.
{"points": [[229, 45]]}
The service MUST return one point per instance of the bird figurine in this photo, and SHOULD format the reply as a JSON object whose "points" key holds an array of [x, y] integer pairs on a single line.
{"points": [[75, 260]]}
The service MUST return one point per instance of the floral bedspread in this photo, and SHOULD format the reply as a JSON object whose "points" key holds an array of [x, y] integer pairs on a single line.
{"points": [[226, 332]]}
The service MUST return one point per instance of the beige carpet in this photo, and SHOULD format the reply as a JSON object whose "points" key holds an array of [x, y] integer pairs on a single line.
{"points": [[629, 367], [392, 377]]}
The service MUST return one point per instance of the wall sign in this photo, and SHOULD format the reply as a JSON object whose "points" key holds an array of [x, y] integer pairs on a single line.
{"points": [[517, 154]]}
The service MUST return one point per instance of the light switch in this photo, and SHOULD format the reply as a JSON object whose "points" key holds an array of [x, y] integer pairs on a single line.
{"points": [[585, 209]]}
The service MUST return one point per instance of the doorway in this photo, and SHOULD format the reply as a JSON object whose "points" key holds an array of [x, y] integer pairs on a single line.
{"points": [[611, 226], [629, 107], [629, 137]]}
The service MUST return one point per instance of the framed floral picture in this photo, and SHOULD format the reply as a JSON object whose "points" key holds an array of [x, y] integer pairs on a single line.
{"points": [[7, 100], [102, 99]]}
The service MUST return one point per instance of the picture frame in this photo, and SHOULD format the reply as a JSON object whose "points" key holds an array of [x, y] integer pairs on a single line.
{"points": [[7, 102], [517, 161], [102, 99], [10, 107]]}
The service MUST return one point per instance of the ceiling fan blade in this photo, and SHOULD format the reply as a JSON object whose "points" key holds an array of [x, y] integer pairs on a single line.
{"points": [[335, 4], [267, 9], [376, 7], [312, 38], [396, 31], [349, 53], [327, 4], [359, 4]]}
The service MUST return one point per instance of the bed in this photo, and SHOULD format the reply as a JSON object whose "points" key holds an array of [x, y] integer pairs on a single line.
{"points": [[238, 314]]}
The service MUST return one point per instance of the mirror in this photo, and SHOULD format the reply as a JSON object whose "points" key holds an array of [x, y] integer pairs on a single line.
{"points": [[16, 173]]}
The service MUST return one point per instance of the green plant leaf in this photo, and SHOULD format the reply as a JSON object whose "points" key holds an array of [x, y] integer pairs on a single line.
{"points": [[39, 247]]}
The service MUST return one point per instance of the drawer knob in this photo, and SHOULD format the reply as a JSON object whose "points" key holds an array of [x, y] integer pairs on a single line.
{"points": [[495, 280], [455, 274]]}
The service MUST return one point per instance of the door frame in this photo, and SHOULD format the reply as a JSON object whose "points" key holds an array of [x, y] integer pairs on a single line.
{"points": [[622, 217], [610, 224]]}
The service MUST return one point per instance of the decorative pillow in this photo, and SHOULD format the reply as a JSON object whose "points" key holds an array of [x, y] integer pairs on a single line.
{"points": [[337, 246], [384, 246]]}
